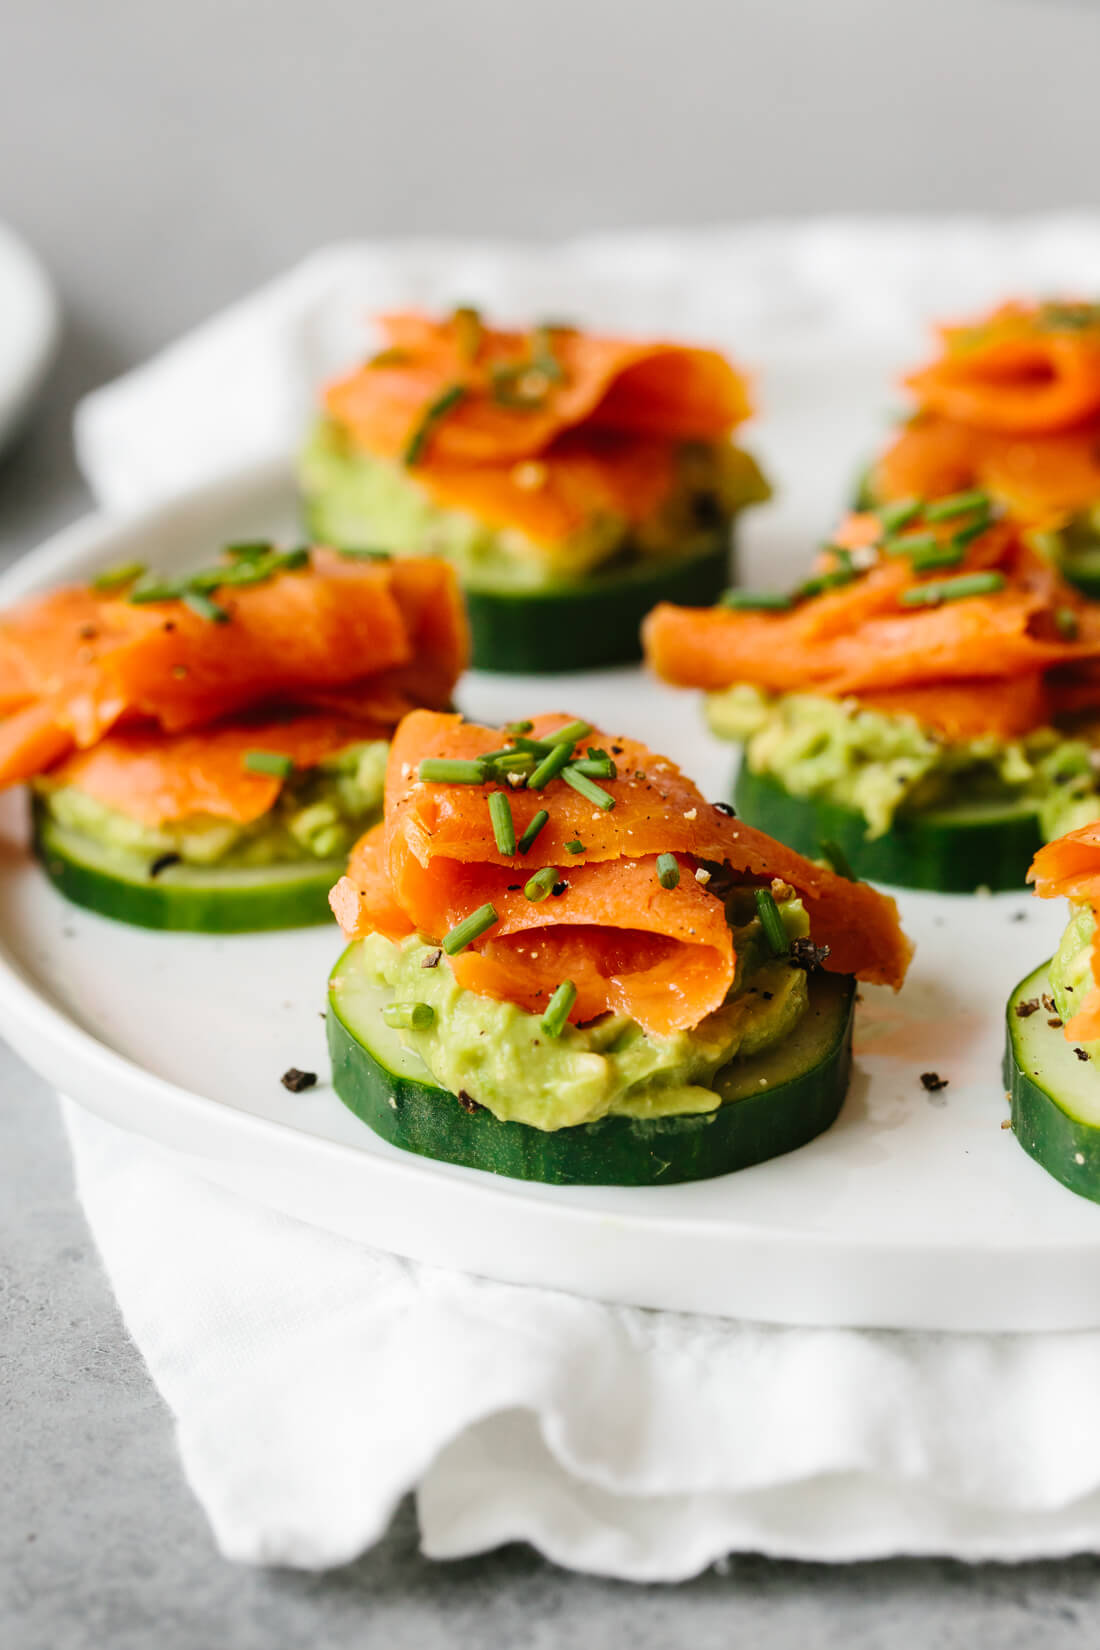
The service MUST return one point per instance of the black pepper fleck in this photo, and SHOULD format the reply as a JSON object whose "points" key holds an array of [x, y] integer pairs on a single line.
{"points": [[468, 1103], [1025, 1009], [1080, 1053], [432, 958], [724, 808], [932, 1081], [162, 862], [296, 1080]]}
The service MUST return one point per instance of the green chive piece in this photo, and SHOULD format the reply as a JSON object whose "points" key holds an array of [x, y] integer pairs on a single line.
{"points": [[967, 535], [818, 585], [512, 761], [537, 747], [469, 929], [668, 870], [273, 763], [468, 331], [915, 544], [549, 767], [504, 829], [772, 923], [559, 1008], [575, 847], [204, 607], [591, 792], [957, 504], [1066, 623], [408, 1016], [113, 578], [538, 887], [600, 767], [292, 561], [448, 770], [537, 822], [953, 590], [432, 415], [364, 554], [518, 727], [838, 859], [248, 549], [893, 517], [753, 600], [155, 590], [942, 555], [570, 734]]}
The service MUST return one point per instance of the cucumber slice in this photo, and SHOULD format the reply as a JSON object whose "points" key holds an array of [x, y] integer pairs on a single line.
{"points": [[197, 898], [951, 850], [1055, 1095], [771, 1103]]}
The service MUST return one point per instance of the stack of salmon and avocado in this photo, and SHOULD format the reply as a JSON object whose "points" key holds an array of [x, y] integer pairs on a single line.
{"points": [[1012, 405], [572, 480], [204, 751], [566, 965], [922, 708], [1052, 1061]]}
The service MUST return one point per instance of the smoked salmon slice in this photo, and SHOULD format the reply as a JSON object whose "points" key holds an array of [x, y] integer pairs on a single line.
{"points": [[159, 778], [374, 635], [662, 955], [1069, 868]]}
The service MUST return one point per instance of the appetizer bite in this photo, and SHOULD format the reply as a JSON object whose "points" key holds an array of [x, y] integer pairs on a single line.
{"points": [[1012, 406], [573, 480], [918, 709], [566, 965], [1052, 1058], [203, 751]]}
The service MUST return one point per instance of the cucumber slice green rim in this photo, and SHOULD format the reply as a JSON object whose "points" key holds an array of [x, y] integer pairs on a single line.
{"points": [[190, 898], [950, 851], [772, 1103], [1055, 1095]]}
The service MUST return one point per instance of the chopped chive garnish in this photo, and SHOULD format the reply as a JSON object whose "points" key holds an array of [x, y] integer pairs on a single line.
{"points": [[837, 858], [821, 582], [958, 504], [512, 761], [155, 590], [518, 727], [432, 415], [469, 929], [953, 590], [451, 770], [408, 1016], [468, 331], [538, 887], [1066, 623], [582, 784], [537, 822], [940, 555], [204, 607], [549, 768], [559, 1008], [113, 578], [913, 544], [575, 847], [967, 535], [772, 923], [504, 830], [894, 517], [668, 870], [362, 553], [273, 763], [248, 549], [292, 561], [596, 767], [537, 747], [750, 600], [569, 735]]}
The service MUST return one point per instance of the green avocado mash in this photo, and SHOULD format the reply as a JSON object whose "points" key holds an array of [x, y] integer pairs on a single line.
{"points": [[318, 815], [359, 502], [499, 1055], [1071, 969], [883, 765]]}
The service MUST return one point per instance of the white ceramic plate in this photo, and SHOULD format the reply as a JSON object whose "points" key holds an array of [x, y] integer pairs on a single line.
{"points": [[916, 1210], [28, 330]]}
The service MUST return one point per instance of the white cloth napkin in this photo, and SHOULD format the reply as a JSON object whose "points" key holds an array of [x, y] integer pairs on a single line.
{"points": [[314, 1382]]}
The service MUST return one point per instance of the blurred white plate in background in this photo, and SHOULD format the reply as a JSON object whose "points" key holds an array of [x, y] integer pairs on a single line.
{"points": [[29, 325]]}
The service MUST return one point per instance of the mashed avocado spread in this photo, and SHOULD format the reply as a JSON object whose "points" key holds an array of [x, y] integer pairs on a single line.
{"points": [[881, 765], [499, 1055], [318, 816], [1071, 969], [360, 502]]}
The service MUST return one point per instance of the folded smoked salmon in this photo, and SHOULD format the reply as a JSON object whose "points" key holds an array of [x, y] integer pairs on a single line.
{"points": [[204, 750], [909, 702], [566, 964], [1012, 405], [572, 479]]}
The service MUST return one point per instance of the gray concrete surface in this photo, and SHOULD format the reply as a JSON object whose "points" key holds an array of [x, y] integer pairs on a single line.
{"points": [[165, 158]]}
